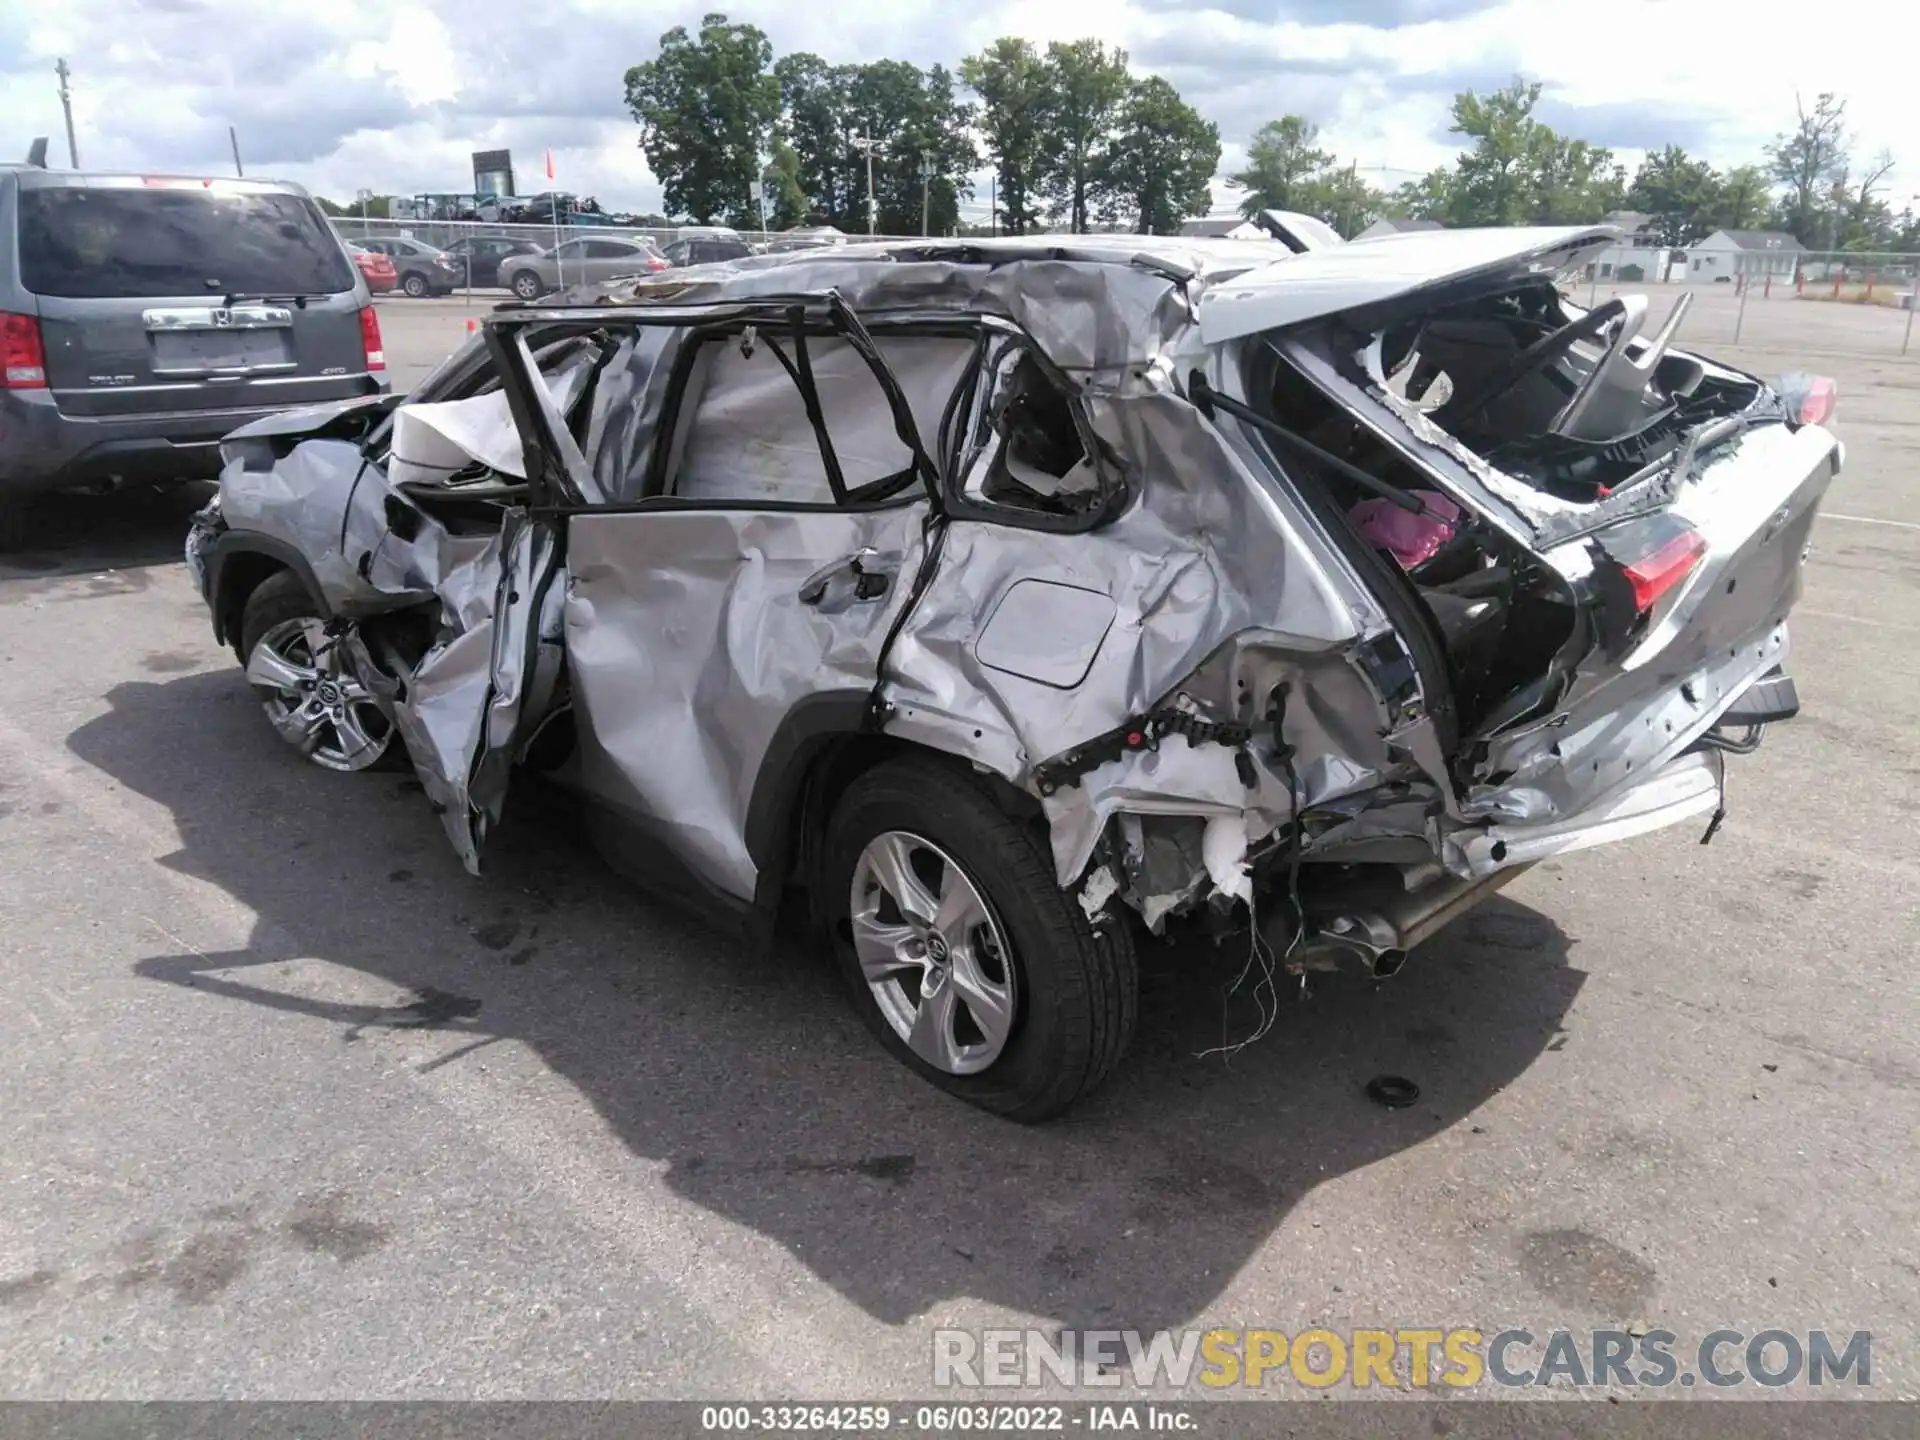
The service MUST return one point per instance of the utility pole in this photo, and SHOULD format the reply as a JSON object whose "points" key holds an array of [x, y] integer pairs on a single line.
{"points": [[233, 138], [66, 106], [867, 144], [926, 192], [993, 202]]}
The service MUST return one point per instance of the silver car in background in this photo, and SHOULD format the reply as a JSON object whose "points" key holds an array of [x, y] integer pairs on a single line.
{"points": [[587, 260], [1008, 600]]}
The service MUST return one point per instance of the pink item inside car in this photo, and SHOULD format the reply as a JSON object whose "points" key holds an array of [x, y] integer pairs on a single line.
{"points": [[1411, 539]]}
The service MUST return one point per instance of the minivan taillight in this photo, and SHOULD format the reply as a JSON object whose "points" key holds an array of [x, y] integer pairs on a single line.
{"points": [[370, 339], [25, 356]]}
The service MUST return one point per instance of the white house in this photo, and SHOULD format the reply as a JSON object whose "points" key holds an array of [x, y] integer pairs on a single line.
{"points": [[1754, 254], [1638, 255], [1387, 225]]}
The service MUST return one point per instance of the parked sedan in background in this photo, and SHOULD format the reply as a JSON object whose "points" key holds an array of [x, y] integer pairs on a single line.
{"points": [[423, 269], [480, 257], [576, 262], [706, 249], [375, 268]]}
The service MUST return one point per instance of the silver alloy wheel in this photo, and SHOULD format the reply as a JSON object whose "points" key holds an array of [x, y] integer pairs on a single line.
{"points": [[527, 285], [932, 953], [312, 698]]}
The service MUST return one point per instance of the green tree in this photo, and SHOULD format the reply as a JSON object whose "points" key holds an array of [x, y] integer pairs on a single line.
{"points": [[1680, 193], [1011, 79], [1158, 164], [705, 107], [1866, 220], [1283, 166], [1345, 201], [1574, 183], [1428, 198], [1740, 200], [1086, 85], [816, 120], [1807, 162], [945, 143], [1516, 170], [787, 202], [1494, 181], [923, 128]]}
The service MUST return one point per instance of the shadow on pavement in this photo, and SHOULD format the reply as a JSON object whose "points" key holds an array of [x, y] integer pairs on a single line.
{"points": [[754, 1083], [73, 534]]}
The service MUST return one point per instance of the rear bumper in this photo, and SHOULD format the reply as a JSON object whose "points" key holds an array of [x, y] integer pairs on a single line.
{"points": [[1684, 789], [42, 448]]}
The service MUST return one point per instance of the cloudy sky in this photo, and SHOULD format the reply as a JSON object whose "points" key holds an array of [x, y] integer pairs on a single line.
{"points": [[394, 95]]}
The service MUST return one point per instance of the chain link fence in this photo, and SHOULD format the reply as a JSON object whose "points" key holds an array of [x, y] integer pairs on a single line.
{"points": [[1808, 302], [442, 233], [1805, 302]]}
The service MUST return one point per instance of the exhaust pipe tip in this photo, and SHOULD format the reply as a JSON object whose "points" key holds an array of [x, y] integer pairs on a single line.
{"points": [[1387, 964]]}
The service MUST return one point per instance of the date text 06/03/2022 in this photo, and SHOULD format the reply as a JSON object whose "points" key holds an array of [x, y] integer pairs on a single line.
{"points": [[944, 1419]]}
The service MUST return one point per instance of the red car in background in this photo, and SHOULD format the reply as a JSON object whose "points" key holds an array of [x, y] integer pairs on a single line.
{"points": [[376, 269]]}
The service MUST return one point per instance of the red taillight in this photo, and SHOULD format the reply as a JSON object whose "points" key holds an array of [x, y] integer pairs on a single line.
{"points": [[1654, 574], [370, 339], [25, 357], [1818, 404], [1812, 398]]}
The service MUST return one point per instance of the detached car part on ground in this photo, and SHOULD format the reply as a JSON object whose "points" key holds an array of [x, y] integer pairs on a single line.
{"points": [[1004, 598]]}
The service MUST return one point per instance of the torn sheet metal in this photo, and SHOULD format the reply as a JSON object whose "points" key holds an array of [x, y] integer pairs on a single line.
{"points": [[435, 442], [1194, 563], [1079, 297], [465, 703]]}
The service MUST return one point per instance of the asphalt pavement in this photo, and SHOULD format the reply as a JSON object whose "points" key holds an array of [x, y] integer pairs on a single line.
{"points": [[291, 1107]]}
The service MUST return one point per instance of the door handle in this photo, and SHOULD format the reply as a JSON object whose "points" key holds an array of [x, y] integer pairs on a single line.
{"points": [[870, 582]]}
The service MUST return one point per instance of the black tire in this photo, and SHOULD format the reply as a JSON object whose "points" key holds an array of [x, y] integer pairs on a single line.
{"points": [[16, 523], [283, 597], [415, 284], [276, 599], [1077, 987], [527, 285]]}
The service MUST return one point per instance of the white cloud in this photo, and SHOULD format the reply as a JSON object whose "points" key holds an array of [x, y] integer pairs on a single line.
{"points": [[396, 94]]}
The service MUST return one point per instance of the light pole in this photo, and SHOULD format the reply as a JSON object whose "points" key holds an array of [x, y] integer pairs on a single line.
{"points": [[867, 144], [66, 106], [926, 192]]}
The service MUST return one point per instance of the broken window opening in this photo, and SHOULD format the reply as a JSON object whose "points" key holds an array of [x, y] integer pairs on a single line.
{"points": [[1034, 451], [1576, 404], [1500, 614], [754, 422]]}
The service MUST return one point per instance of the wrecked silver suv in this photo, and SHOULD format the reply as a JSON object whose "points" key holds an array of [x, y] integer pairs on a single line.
{"points": [[1006, 598]]}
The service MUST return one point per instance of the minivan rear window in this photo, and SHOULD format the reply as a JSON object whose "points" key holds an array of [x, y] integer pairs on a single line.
{"points": [[121, 242]]}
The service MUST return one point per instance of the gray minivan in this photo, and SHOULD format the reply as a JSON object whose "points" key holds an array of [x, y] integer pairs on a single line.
{"points": [[143, 317]]}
